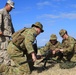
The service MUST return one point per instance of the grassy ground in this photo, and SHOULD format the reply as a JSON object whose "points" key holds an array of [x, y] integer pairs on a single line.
{"points": [[54, 69]]}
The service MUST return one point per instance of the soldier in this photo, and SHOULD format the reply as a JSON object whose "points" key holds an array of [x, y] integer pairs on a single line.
{"points": [[6, 27], [53, 45], [6, 30], [68, 43], [24, 51]]}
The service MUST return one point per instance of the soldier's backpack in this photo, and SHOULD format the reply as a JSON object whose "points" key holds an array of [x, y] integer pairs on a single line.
{"points": [[67, 65], [17, 38]]}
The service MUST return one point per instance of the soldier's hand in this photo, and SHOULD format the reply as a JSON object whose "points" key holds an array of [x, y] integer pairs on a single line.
{"points": [[53, 51], [61, 50], [1, 33], [33, 57], [56, 49]]}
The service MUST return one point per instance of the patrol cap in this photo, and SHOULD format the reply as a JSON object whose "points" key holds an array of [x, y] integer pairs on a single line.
{"points": [[53, 37], [39, 25], [11, 3], [62, 32]]}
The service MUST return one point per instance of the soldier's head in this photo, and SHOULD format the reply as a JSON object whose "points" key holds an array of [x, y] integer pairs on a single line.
{"points": [[63, 33], [38, 26], [53, 38], [9, 5]]}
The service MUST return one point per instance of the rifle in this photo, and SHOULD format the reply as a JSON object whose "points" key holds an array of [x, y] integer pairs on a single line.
{"points": [[48, 56]]}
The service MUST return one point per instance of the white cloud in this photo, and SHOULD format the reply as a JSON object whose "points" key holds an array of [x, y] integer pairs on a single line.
{"points": [[48, 16], [43, 3], [62, 15], [68, 15]]}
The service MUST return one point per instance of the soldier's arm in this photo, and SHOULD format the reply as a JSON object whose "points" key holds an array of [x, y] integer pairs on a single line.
{"points": [[29, 45], [44, 48], [0, 24], [29, 39]]}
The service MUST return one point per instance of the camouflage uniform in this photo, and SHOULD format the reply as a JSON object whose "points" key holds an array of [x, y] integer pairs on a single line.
{"points": [[22, 53], [50, 46], [67, 45], [7, 30]]}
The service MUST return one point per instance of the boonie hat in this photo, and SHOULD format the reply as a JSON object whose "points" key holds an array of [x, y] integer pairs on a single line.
{"points": [[11, 3], [39, 25], [62, 32], [53, 37]]}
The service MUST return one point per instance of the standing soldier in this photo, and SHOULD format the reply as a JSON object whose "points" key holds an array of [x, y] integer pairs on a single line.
{"points": [[53, 45], [6, 30], [67, 44], [21, 51]]}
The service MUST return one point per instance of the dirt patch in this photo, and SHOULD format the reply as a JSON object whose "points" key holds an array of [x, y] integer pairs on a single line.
{"points": [[54, 69]]}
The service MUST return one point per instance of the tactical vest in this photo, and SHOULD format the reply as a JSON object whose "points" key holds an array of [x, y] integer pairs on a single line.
{"points": [[17, 38]]}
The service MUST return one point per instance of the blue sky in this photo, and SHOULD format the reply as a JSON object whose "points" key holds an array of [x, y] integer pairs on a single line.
{"points": [[53, 14]]}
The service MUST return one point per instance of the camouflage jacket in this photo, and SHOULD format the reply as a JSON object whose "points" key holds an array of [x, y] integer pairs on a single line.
{"points": [[68, 44], [5, 23], [30, 36], [50, 46]]}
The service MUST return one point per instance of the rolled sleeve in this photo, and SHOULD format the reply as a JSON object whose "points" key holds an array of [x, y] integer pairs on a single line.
{"points": [[29, 39]]}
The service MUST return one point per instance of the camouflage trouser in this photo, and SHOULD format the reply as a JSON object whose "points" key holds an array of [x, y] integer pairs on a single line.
{"points": [[68, 55], [4, 57], [4, 42], [16, 55], [4, 60], [16, 70]]}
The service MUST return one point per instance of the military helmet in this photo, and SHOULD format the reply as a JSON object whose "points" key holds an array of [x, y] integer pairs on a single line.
{"points": [[62, 32], [11, 3], [39, 25], [53, 37]]}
